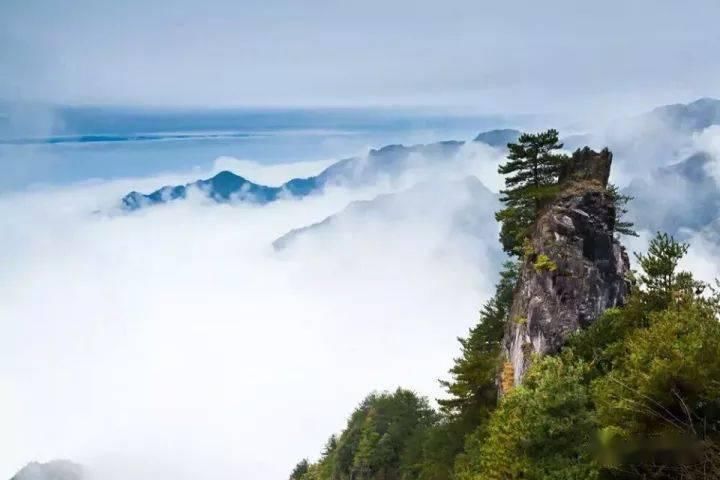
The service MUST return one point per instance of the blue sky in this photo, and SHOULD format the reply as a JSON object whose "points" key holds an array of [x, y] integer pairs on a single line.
{"points": [[515, 55]]}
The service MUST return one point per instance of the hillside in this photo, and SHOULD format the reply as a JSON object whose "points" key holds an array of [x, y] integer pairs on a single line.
{"points": [[577, 369]]}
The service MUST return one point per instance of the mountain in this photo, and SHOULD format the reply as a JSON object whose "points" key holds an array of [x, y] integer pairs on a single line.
{"points": [[223, 187], [498, 138], [672, 182], [574, 267], [466, 205], [694, 116], [53, 470], [388, 162], [683, 195]]}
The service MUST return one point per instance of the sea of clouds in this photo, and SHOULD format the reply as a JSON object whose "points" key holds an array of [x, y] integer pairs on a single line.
{"points": [[176, 342]]}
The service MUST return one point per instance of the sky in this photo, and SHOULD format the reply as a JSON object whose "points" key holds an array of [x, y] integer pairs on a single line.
{"points": [[510, 56], [174, 343]]}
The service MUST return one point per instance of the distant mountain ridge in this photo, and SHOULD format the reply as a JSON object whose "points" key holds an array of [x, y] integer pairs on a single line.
{"points": [[693, 116], [388, 161], [53, 470], [683, 195], [498, 138], [471, 205], [223, 187]]}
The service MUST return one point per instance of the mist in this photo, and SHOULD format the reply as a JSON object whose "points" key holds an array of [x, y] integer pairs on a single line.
{"points": [[174, 342]]}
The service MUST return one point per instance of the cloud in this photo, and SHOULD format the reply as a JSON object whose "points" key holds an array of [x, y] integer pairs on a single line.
{"points": [[175, 343], [708, 141], [485, 55]]}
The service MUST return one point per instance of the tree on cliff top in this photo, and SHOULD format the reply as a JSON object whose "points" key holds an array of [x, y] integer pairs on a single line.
{"points": [[531, 175], [300, 469]]}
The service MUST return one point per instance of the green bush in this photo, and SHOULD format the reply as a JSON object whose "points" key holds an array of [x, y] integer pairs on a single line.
{"points": [[543, 429], [544, 264]]}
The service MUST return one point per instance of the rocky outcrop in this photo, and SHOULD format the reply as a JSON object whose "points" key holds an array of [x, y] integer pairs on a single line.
{"points": [[574, 267]]}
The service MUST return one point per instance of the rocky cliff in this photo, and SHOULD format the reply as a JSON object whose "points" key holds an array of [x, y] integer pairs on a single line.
{"points": [[574, 267]]}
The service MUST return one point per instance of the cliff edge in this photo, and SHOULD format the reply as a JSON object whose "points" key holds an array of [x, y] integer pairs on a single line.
{"points": [[573, 268]]}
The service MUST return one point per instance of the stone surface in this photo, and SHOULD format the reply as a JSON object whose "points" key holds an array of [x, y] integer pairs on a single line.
{"points": [[586, 271]]}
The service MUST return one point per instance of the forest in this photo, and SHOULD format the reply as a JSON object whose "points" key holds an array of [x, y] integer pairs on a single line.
{"points": [[635, 395]]}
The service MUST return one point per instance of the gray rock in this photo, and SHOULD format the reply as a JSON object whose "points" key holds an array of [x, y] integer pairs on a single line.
{"points": [[587, 272]]}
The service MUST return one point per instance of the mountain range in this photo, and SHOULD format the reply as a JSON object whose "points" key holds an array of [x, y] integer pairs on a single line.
{"points": [[387, 162], [682, 195], [465, 204]]}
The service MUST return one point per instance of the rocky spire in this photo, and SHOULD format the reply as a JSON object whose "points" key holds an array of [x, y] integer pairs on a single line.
{"points": [[574, 268]]}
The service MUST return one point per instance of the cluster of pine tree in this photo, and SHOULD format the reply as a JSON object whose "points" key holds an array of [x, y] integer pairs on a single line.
{"points": [[634, 396]]}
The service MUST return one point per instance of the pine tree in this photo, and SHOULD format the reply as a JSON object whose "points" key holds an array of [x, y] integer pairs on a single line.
{"points": [[472, 391], [531, 175], [300, 469], [622, 227], [661, 284]]}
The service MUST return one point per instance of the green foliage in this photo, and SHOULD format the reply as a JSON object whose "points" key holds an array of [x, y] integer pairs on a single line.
{"points": [[660, 282], [600, 344], [543, 429], [661, 402], [515, 226], [544, 264], [622, 227], [383, 439], [528, 251], [531, 175], [635, 395], [472, 391], [472, 388], [300, 470]]}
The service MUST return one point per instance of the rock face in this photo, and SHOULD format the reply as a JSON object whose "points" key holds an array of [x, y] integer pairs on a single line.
{"points": [[574, 268]]}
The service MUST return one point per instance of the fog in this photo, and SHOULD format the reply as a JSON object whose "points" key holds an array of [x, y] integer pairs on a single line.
{"points": [[520, 56], [174, 342]]}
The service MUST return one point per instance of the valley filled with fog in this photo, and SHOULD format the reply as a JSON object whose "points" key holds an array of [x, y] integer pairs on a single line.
{"points": [[221, 339], [136, 339]]}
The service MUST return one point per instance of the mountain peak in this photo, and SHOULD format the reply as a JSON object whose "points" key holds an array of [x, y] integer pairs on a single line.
{"points": [[574, 267], [704, 102], [499, 137], [226, 175]]}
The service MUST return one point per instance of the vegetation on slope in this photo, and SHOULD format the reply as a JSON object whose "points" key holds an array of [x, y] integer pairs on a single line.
{"points": [[634, 396]]}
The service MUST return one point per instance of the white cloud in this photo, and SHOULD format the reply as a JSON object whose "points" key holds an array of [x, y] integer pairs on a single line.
{"points": [[708, 141], [175, 343]]}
